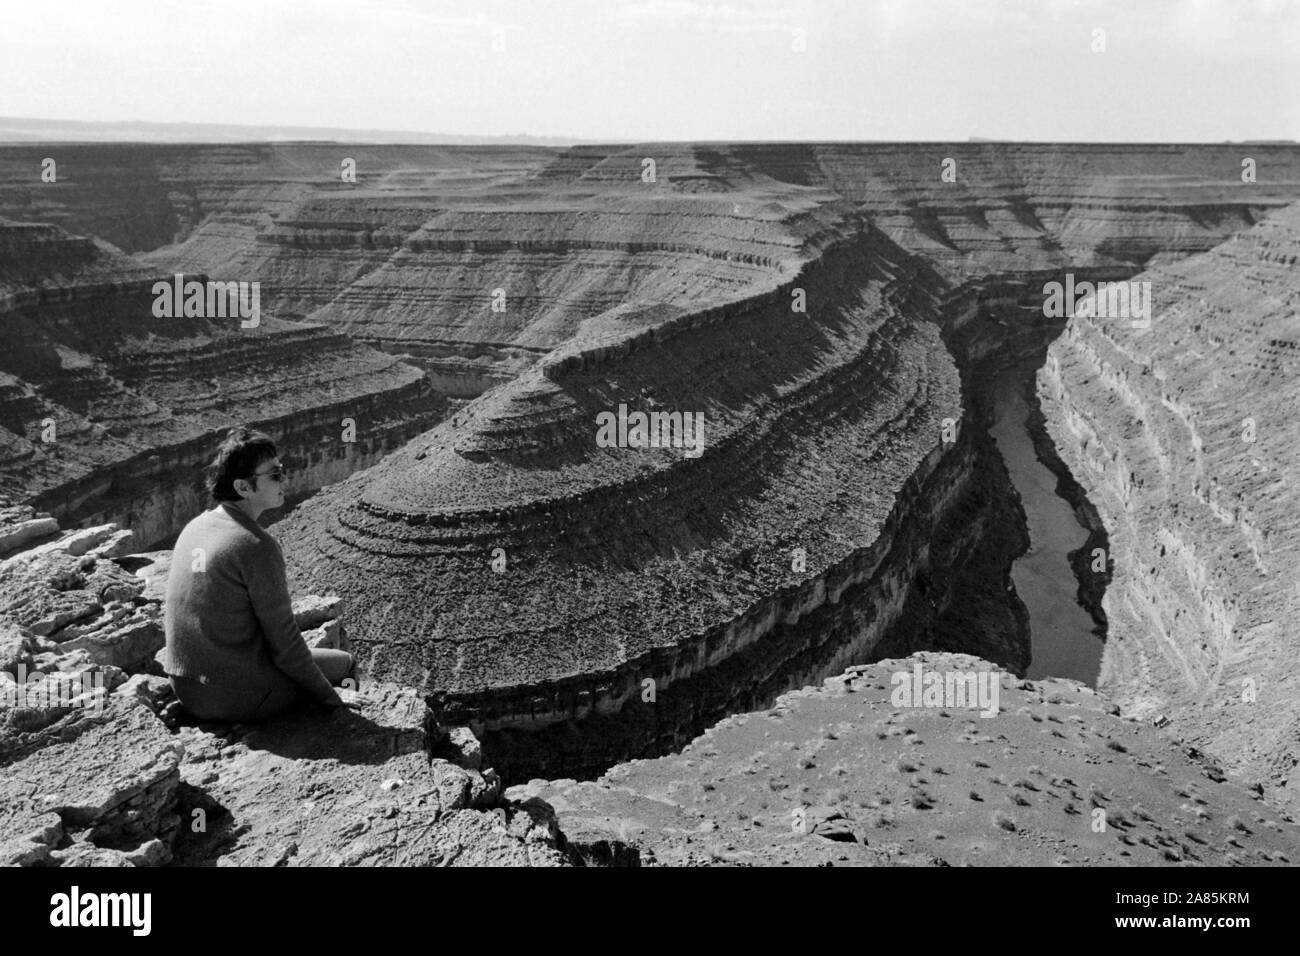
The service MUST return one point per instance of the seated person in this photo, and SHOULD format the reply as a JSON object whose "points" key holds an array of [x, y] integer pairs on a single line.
{"points": [[233, 649]]}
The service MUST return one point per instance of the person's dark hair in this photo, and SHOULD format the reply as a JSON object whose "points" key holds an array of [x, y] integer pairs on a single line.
{"points": [[241, 453]]}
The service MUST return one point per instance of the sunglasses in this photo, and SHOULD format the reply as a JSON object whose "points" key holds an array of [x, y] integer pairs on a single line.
{"points": [[275, 474]]}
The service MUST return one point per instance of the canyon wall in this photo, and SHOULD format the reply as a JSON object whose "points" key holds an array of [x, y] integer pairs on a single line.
{"points": [[1016, 207], [109, 413], [696, 584], [1183, 436], [537, 288]]}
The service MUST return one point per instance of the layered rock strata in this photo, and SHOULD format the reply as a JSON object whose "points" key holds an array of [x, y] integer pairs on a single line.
{"points": [[778, 553], [1183, 437], [477, 281], [410, 259], [109, 413], [1013, 207], [140, 197]]}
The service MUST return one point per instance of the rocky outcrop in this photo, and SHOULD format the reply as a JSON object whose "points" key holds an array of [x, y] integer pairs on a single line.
{"points": [[351, 789], [840, 775], [88, 786], [99, 767], [1182, 436]]}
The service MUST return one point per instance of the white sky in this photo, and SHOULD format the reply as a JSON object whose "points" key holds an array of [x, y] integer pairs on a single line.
{"points": [[1172, 70]]}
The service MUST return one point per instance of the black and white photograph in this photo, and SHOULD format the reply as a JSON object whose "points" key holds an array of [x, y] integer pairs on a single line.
{"points": [[650, 434]]}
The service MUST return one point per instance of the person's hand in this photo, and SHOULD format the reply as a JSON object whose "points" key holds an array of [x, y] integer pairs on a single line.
{"points": [[349, 698]]}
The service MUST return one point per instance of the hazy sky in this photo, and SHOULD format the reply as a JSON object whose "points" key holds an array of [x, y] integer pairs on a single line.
{"points": [[1171, 70]]}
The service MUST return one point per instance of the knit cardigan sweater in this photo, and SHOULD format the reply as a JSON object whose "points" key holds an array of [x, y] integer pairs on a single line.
{"points": [[228, 616]]}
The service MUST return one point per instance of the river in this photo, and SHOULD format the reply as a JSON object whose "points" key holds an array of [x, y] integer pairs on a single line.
{"points": [[1063, 643]]}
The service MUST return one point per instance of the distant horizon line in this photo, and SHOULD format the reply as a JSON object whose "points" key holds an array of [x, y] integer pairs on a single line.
{"points": [[383, 137]]}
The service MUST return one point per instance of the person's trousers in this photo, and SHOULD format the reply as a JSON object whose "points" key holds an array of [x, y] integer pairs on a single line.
{"points": [[275, 694]]}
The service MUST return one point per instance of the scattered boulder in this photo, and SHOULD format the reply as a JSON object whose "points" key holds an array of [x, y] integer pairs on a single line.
{"points": [[15, 645], [151, 567], [19, 527], [312, 610], [154, 692], [129, 644], [328, 635], [106, 540]]}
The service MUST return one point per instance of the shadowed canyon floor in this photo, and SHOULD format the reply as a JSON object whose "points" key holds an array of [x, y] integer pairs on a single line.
{"points": [[837, 314]]}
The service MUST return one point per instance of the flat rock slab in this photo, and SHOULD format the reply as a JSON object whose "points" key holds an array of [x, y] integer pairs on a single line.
{"points": [[69, 773], [838, 775], [313, 610], [47, 592], [348, 788]]}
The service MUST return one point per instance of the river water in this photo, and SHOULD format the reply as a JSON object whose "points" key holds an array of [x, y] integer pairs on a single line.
{"points": [[1061, 631]]}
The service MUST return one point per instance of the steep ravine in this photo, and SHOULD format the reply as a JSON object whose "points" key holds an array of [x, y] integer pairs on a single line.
{"points": [[938, 577], [1183, 434], [945, 583], [932, 574]]}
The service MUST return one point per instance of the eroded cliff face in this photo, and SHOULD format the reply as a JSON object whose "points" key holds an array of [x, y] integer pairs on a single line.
{"points": [[693, 585], [408, 257], [1183, 436], [1016, 208], [824, 430], [109, 413]]}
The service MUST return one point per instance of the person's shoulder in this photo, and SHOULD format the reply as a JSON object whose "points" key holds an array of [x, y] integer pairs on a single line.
{"points": [[223, 532]]}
